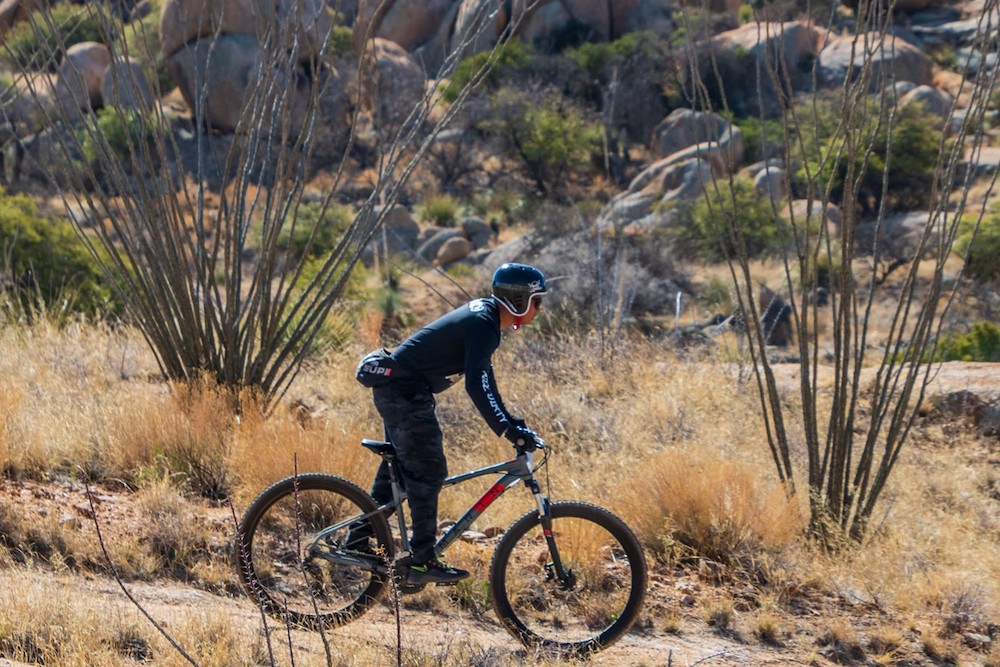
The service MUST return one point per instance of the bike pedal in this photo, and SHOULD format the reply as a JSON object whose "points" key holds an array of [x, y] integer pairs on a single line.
{"points": [[410, 589], [447, 583]]}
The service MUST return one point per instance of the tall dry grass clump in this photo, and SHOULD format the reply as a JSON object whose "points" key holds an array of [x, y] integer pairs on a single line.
{"points": [[696, 504]]}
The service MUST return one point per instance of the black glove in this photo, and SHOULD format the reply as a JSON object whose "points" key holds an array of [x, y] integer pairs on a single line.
{"points": [[517, 422], [524, 439]]}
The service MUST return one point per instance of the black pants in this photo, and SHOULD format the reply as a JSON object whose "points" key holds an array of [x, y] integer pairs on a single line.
{"points": [[407, 409]]}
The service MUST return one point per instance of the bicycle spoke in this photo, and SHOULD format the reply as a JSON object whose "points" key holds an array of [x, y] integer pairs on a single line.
{"points": [[599, 595], [290, 571]]}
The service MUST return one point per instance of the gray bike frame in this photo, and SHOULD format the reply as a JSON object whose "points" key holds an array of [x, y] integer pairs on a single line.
{"points": [[514, 471]]}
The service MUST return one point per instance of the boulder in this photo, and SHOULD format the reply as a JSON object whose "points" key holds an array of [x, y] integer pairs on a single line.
{"points": [[478, 232], [431, 29], [628, 207], [739, 61], [12, 11], [933, 101], [684, 180], [428, 250], [771, 182], [805, 210], [409, 23], [452, 250], [393, 82], [693, 133], [299, 24], [226, 72], [184, 21], [893, 58], [399, 231], [899, 235], [788, 47], [81, 74], [664, 181], [593, 20], [124, 86]]}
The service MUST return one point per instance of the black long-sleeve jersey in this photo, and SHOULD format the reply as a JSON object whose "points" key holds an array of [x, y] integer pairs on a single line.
{"points": [[460, 342]]}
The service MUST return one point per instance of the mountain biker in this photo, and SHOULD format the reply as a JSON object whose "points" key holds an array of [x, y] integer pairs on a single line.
{"points": [[461, 342]]}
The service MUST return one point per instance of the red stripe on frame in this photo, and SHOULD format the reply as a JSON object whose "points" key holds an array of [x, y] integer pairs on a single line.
{"points": [[488, 497]]}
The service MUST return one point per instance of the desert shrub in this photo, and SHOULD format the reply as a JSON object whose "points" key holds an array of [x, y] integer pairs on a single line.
{"points": [[441, 210], [39, 42], [121, 132], [980, 343], [44, 263], [736, 204], [511, 57], [696, 505], [553, 139], [341, 42], [908, 165], [982, 250], [597, 58], [329, 223], [762, 139]]}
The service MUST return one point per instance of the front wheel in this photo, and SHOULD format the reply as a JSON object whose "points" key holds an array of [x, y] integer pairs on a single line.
{"points": [[294, 552], [588, 604]]}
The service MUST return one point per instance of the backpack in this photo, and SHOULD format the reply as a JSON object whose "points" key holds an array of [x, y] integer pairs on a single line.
{"points": [[376, 368]]}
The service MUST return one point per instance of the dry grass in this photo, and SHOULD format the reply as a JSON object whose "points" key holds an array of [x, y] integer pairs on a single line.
{"points": [[83, 403], [697, 504]]}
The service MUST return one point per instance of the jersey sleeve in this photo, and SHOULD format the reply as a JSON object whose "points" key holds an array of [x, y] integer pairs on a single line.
{"points": [[481, 384], [482, 388]]}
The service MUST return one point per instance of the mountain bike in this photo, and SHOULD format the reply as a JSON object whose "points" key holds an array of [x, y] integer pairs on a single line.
{"points": [[567, 576]]}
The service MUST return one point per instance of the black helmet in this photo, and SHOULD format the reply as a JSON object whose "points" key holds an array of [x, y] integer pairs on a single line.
{"points": [[515, 284]]}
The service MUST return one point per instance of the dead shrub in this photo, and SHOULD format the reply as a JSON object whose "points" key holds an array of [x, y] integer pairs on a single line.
{"points": [[716, 509]]}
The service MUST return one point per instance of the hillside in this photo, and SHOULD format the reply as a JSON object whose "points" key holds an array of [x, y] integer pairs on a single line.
{"points": [[210, 210]]}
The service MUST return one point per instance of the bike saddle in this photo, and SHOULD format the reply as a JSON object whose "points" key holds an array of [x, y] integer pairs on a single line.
{"points": [[379, 447]]}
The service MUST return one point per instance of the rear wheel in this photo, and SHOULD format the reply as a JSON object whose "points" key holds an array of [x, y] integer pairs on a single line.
{"points": [[301, 579], [589, 608]]}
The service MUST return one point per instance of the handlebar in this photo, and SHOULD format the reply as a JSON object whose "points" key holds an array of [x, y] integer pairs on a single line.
{"points": [[529, 448]]}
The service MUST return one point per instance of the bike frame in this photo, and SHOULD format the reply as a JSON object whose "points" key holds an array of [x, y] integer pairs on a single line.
{"points": [[520, 469]]}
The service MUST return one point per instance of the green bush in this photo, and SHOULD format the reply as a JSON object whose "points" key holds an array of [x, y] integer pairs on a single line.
{"points": [[40, 41], [983, 251], [329, 224], [120, 131], [981, 343], [552, 137], [441, 210], [761, 139], [511, 56], [341, 42], [737, 207], [597, 58], [45, 263], [910, 161]]}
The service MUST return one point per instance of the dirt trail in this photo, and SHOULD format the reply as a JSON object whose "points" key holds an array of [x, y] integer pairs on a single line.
{"points": [[431, 632]]}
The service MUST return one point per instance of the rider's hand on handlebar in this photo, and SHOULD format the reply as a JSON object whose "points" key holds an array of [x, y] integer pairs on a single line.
{"points": [[523, 438]]}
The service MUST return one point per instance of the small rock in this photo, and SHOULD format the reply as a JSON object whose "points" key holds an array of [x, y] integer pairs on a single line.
{"points": [[977, 641], [687, 587], [473, 536], [69, 521], [84, 510]]}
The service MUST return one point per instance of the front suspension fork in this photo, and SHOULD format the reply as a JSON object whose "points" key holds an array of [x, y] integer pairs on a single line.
{"points": [[554, 567]]}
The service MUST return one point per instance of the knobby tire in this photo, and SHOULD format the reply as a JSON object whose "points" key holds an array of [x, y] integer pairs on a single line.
{"points": [[299, 587]]}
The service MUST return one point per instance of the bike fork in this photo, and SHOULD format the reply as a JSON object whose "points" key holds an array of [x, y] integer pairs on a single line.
{"points": [[555, 565]]}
